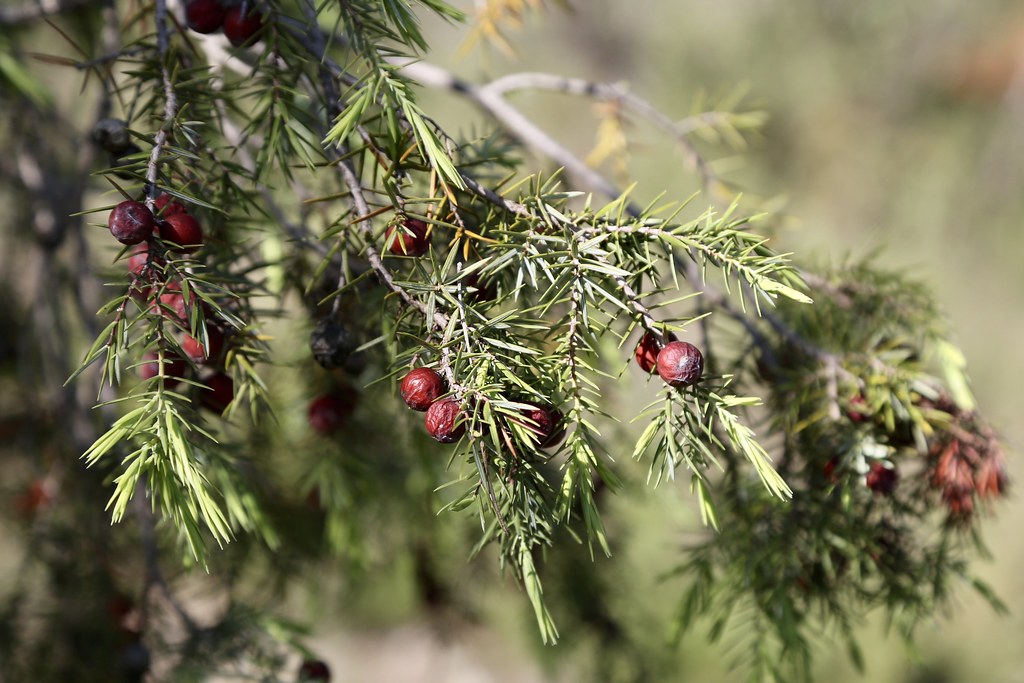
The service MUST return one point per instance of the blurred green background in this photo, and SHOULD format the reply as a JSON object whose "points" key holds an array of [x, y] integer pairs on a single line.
{"points": [[896, 132]]}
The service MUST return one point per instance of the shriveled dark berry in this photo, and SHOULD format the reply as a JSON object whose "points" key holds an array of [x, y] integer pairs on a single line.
{"points": [[882, 479], [445, 421], [314, 671], [332, 343], [131, 222], [241, 23], [421, 387], [412, 239], [647, 350], [112, 135], [547, 424], [328, 412], [204, 16], [181, 229], [680, 363]]}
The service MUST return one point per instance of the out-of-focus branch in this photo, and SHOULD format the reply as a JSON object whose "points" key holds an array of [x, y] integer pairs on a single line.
{"points": [[30, 11], [614, 92], [515, 123]]}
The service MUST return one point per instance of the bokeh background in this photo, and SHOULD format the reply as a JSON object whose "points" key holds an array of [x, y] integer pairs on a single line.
{"points": [[895, 131]]}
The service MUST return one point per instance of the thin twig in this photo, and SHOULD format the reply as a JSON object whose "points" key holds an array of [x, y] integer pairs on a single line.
{"points": [[611, 92], [170, 102], [514, 121]]}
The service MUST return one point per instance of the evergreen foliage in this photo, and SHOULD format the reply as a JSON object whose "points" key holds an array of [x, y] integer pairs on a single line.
{"points": [[832, 445]]}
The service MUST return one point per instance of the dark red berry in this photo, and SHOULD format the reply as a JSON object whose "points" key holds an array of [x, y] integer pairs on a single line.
{"points": [[328, 413], [165, 206], [422, 387], [219, 393], [829, 469], [131, 222], [445, 421], [882, 479], [547, 424], [174, 368], [647, 350], [171, 304], [195, 349], [137, 264], [183, 230], [36, 498], [680, 364], [853, 409], [485, 289], [241, 23], [139, 258], [413, 239], [314, 671], [204, 16]]}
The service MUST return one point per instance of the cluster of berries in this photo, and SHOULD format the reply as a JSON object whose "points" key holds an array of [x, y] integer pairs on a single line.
{"points": [[881, 477], [133, 223], [240, 22], [422, 390], [964, 463], [679, 363]]}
